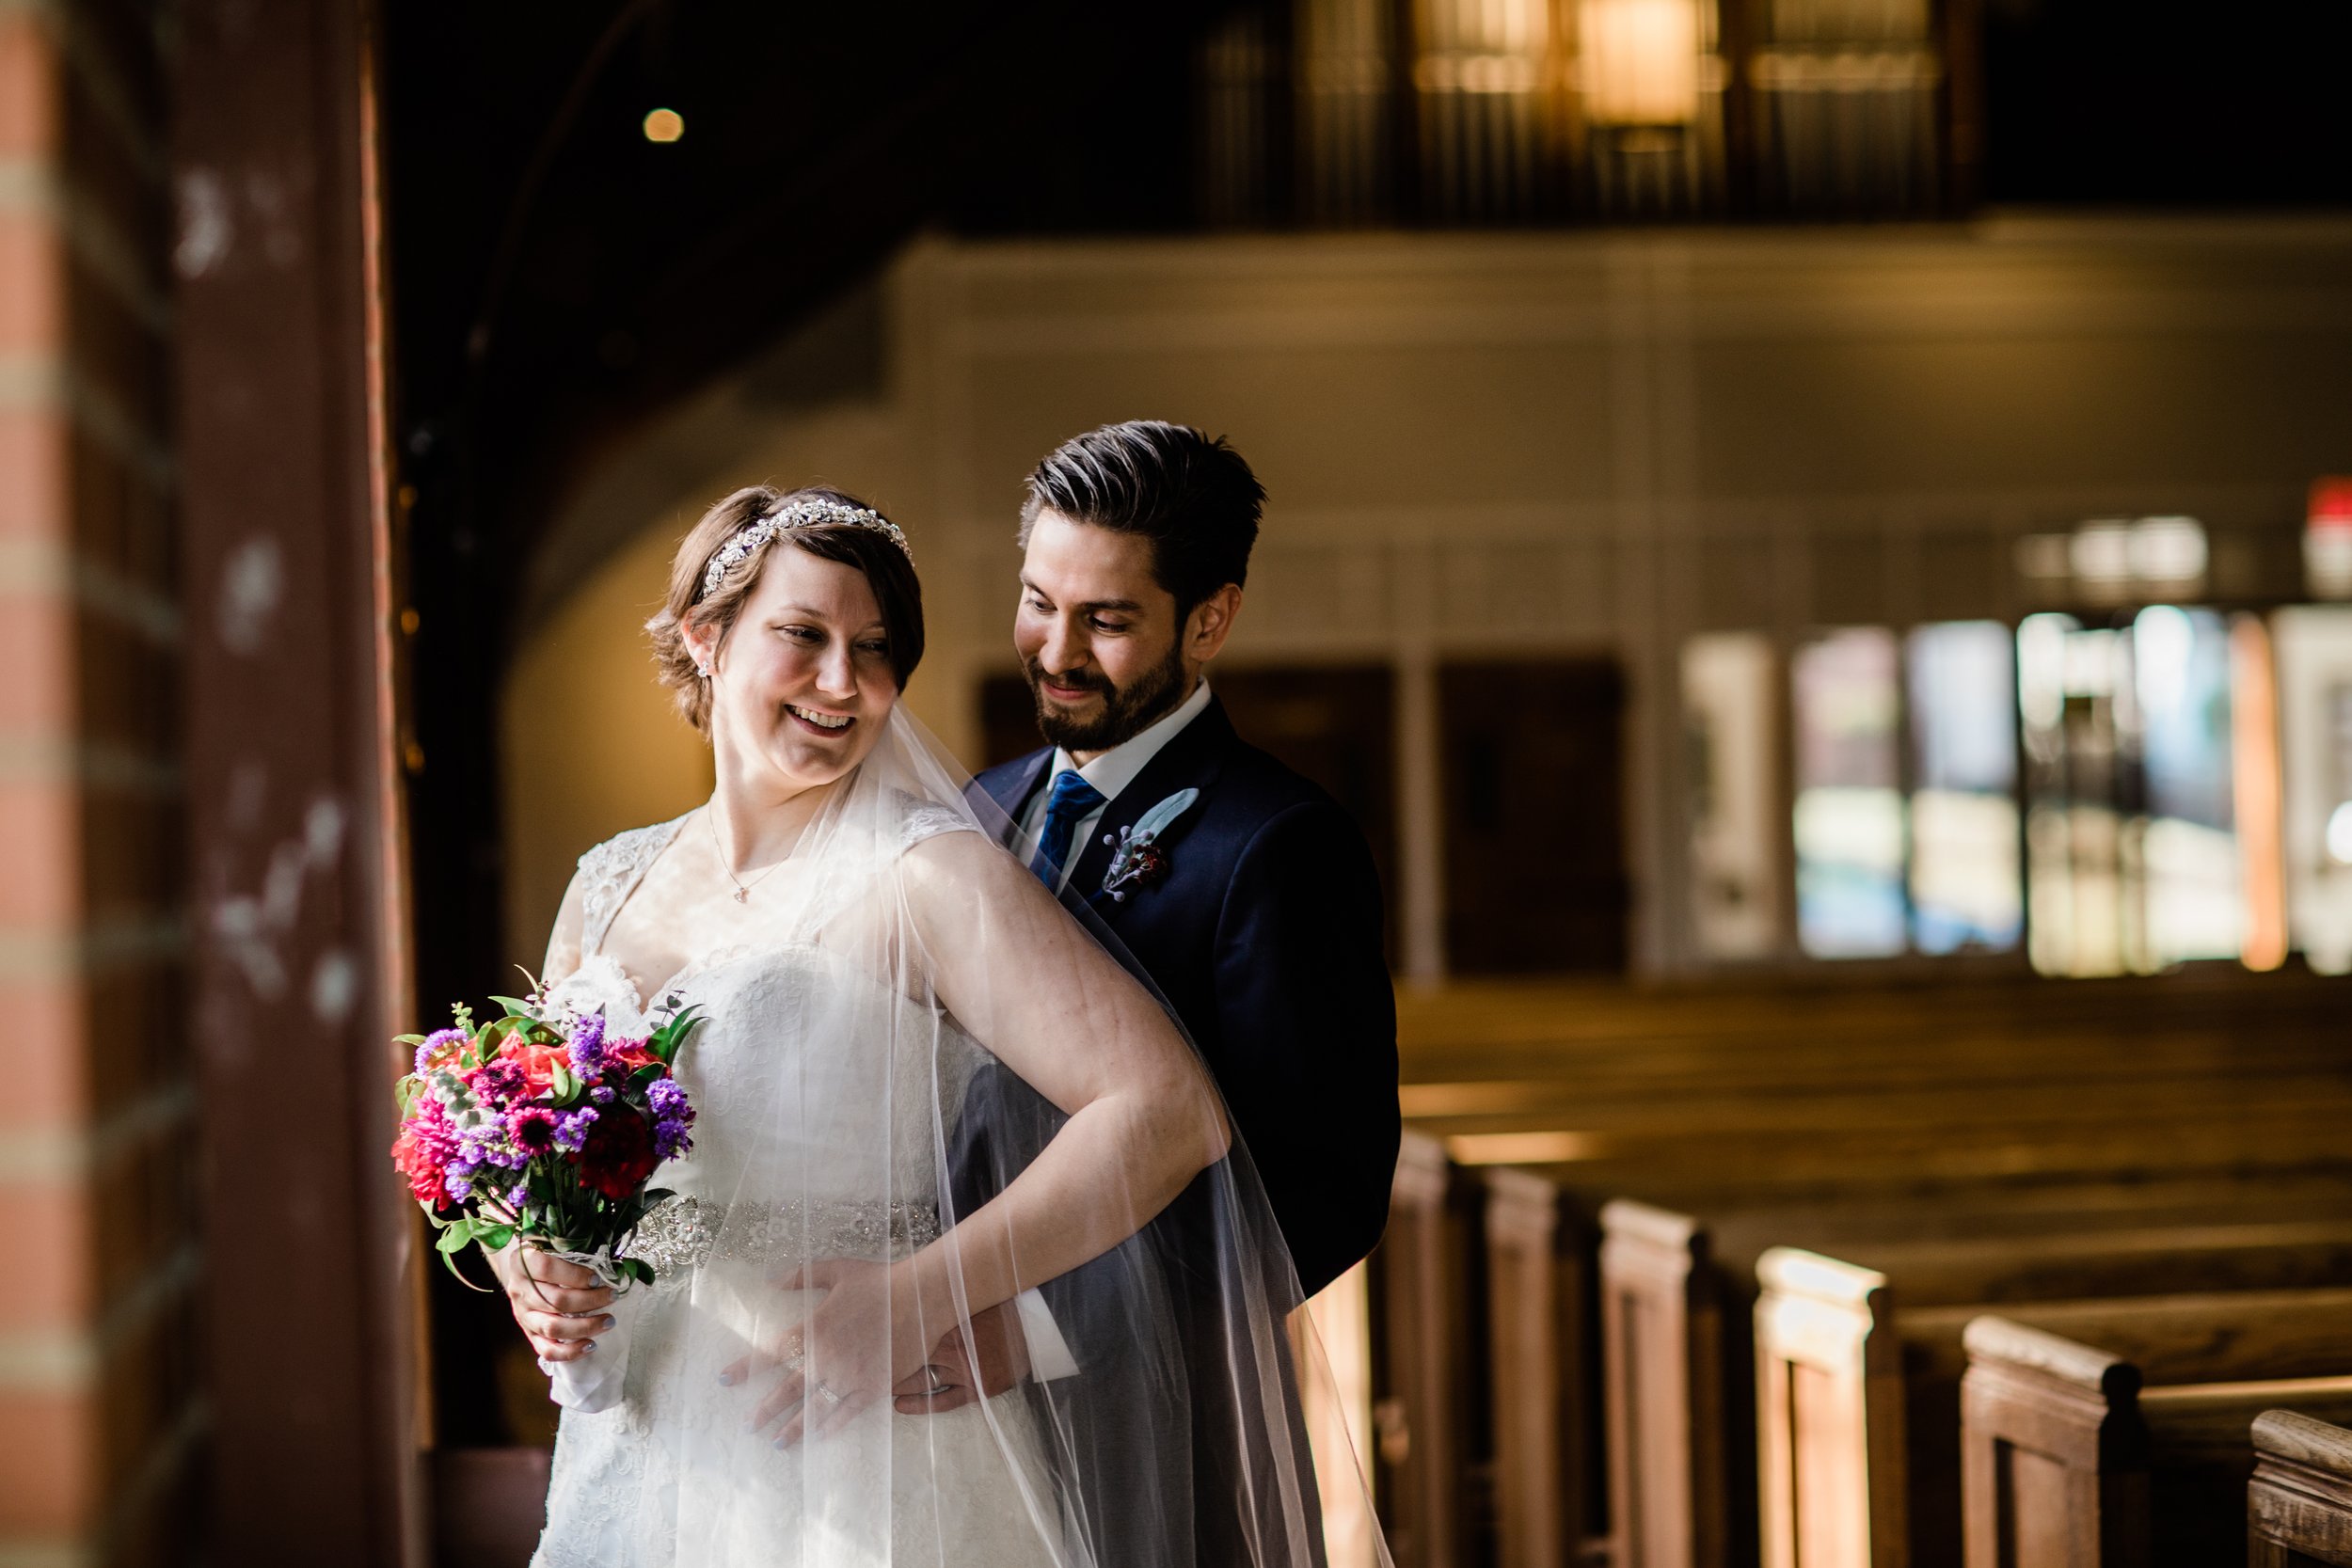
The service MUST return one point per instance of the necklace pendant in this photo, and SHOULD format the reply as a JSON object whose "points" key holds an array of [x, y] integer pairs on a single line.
{"points": [[742, 894]]}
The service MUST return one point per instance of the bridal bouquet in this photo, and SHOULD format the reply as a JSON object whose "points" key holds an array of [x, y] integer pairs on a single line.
{"points": [[544, 1129]]}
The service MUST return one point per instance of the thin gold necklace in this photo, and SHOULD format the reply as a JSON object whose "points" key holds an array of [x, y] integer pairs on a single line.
{"points": [[742, 889]]}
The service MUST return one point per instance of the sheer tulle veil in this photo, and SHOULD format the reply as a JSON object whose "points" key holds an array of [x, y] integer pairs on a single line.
{"points": [[858, 1101]]}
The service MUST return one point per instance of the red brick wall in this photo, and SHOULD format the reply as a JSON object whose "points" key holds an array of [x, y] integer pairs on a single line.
{"points": [[97, 1402]]}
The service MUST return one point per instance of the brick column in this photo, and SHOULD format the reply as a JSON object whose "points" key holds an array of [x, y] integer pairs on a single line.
{"points": [[99, 1406]]}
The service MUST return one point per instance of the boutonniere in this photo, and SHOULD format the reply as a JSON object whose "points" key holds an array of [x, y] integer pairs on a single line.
{"points": [[1139, 860]]}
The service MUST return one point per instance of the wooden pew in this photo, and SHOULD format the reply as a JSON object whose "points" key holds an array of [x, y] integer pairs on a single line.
{"points": [[2298, 1506], [1680, 1365], [1539, 1334], [1422, 1316], [1663, 1381], [2090, 1456], [2025, 1097], [1860, 1431]]}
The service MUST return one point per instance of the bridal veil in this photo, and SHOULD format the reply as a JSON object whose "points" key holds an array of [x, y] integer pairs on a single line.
{"points": [[855, 1106]]}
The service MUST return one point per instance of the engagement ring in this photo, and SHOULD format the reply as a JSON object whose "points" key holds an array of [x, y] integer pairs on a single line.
{"points": [[826, 1394]]}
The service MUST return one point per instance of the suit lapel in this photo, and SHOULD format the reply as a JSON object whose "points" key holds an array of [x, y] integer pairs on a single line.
{"points": [[1011, 785], [1188, 761]]}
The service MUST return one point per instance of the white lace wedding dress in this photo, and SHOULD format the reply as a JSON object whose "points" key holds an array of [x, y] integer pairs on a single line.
{"points": [[669, 1477]]}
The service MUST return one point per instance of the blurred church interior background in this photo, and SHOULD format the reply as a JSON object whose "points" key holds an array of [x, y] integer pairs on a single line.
{"points": [[1811, 534]]}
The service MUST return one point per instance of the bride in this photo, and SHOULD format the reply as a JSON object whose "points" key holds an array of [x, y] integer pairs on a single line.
{"points": [[861, 954]]}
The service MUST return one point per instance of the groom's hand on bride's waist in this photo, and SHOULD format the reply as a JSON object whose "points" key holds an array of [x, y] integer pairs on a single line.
{"points": [[989, 1359]]}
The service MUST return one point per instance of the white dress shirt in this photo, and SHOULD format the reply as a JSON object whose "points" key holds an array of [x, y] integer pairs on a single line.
{"points": [[1109, 773]]}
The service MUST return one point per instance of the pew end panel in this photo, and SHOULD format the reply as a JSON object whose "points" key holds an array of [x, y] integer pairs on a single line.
{"points": [[2053, 1457], [1426, 1321], [2298, 1506], [1829, 1400], [1540, 1307], [1661, 1375]]}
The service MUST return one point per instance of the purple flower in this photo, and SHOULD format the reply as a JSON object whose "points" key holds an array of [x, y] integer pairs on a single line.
{"points": [[601, 1095], [435, 1043], [670, 1138], [664, 1097], [572, 1130], [518, 1194], [588, 1051]]}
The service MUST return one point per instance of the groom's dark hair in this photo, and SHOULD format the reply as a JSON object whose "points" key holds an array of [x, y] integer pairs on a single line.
{"points": [[1190, 494]]}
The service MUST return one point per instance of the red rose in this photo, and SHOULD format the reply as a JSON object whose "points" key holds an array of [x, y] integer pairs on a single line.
{"points": [[538, 1063], [618, 1154]]}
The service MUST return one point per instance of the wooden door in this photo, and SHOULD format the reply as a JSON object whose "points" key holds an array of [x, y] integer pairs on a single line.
{"points": [[1533, 763]]}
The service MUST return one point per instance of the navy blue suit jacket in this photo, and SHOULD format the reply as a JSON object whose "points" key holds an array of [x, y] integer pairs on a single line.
{"points": [[1264, 935]]}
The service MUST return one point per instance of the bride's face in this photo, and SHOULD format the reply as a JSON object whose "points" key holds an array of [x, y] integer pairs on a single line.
{"points": [[802, 684]]}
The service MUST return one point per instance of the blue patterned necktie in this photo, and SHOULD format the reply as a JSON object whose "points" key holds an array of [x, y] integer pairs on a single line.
{"points": [[1072, 798]]}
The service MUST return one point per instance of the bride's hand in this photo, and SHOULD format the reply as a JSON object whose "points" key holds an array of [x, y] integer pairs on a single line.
{"points": [[560, 1306], [857, 1364]]}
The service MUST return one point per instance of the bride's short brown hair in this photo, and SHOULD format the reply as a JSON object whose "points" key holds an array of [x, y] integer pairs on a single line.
{"points": [[886, 567]]}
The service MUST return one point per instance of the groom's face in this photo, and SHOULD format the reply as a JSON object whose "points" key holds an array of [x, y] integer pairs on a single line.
{"points": [[1097, 634]]}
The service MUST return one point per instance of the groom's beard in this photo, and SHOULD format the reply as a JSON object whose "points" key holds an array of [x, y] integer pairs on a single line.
{"points": [[1123, 714]]}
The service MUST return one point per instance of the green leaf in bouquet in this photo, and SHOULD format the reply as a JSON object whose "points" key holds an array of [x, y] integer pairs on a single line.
{"points": [[498, 1238], [514, 1009], [644, 1076], [455, 1235], [671, 1036], [410, 1040], [563, 1084], [639, 1269]]}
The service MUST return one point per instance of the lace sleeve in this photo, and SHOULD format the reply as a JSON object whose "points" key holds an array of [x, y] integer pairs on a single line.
{"points": [[927, 819]]}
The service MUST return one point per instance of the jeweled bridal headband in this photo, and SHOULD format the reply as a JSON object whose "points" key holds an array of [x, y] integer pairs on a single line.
{"points": [[809, 512]]}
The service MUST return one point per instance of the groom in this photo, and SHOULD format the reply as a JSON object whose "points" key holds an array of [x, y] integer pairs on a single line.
{"points": [[1258, 912]]}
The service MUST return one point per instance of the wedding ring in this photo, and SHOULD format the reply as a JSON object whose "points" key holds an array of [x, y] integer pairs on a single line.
{"points": [[826, 1394], [939, 1384]]}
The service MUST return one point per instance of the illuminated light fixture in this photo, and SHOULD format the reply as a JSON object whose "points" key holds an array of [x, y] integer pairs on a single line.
{"points": [[664, 125], [2168, 550], [1639, 61], [2101, 555], [2340, 834], [2113, 560], [2328, 540]]}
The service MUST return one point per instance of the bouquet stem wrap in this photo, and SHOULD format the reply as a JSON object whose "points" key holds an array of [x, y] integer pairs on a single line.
{"points": [[593, 1382]]}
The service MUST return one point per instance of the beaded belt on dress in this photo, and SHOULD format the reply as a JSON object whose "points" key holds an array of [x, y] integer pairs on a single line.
{"points": [[687, 1233]]}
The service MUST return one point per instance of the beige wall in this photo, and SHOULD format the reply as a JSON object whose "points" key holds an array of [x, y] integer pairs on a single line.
{"points": [[1530, 441]]}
